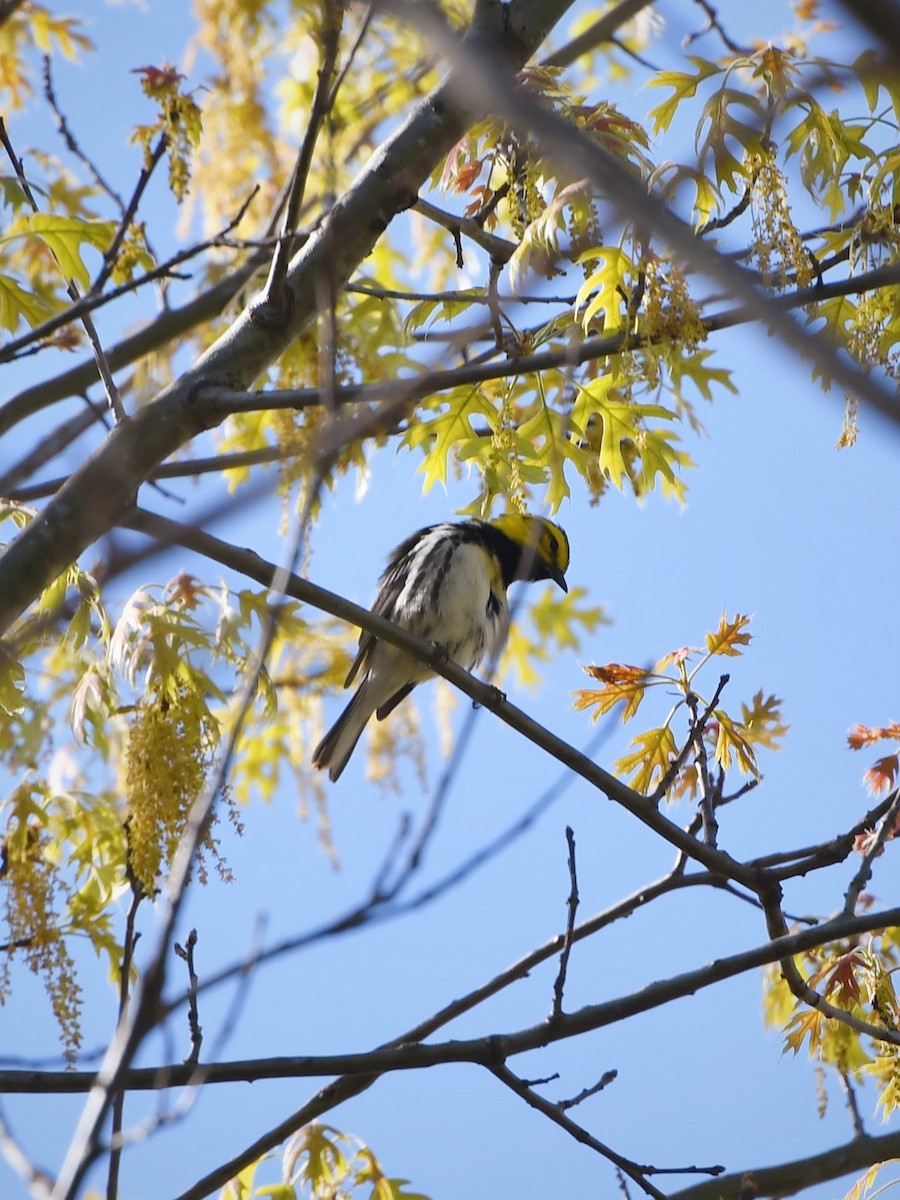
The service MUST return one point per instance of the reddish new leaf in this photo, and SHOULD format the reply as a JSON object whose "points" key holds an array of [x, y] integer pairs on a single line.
{"points": [[881, 776]]}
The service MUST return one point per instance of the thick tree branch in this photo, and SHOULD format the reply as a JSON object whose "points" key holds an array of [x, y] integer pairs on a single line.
{"points": [[487, 1051], [103, 489], [785, 1179], [604, 29], [171, 324], [391, 391]]}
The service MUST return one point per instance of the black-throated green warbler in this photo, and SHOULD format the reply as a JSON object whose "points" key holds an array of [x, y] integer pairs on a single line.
{"points": [[446, 583]]}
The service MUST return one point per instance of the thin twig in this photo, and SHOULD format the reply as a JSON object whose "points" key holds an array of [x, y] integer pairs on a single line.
{"points": [[859, 1128], [71, 142], [698, 724], [500, 249], [874, 847], [354, 50], [382, 903], [93, 301], [713, 24], [603, 1082], [601, 31], [571, 910], [186, 953], [118, 1105], [112, 253], [707, 798], [112, 392], [558, 1117], [273, 302]]}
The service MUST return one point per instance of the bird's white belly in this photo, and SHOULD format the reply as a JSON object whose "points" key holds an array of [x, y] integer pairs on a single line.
{"points": [[459, 613]]}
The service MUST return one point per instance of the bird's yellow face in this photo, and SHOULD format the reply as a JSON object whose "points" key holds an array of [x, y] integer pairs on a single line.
{"points": [[546, 541]]}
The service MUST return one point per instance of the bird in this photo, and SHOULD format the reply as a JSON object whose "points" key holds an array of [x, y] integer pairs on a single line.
{"points": [[445, 583]]}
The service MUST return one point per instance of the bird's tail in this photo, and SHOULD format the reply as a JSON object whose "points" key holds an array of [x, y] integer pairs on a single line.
{"points": [[335, 748]]}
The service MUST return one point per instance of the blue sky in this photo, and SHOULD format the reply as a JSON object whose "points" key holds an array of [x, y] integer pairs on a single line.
{"points": [[777, 524]]}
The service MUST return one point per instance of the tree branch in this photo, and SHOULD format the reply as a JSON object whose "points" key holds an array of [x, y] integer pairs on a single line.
{"points": [[787, 1178], [103, 488], [408, 1053], [481, 73], [554, 1113]]}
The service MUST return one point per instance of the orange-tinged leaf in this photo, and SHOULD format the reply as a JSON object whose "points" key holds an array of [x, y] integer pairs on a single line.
{"points": [[862, 735], [881, 776], [809, 1023], [859, 736], [729, 637], [621, 683]]}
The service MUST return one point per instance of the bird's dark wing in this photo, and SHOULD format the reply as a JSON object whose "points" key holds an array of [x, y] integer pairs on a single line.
{"points": [[390, 585]]}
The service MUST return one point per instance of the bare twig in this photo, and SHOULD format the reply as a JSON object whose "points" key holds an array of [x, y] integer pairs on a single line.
{"points": [[71, 141], [571, 910], [410, 1052], [118, 1104], [186, 953], [788, 1178], [128, 215], [272, 303], [603, 1082], [707, 794], [558, 1117], [859, 1128], [713, 24], [698, 724], [828, 853]]}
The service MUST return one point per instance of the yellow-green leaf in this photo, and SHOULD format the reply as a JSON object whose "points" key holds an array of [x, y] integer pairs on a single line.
{"points": [[18, 304], [648, 763], [66, 235]]}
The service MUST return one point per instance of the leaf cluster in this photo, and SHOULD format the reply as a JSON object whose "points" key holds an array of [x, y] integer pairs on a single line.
{"points": [[674, 764]]}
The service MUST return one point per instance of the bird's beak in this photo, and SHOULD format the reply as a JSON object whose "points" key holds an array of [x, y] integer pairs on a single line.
{"points": [[557, 576]]}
